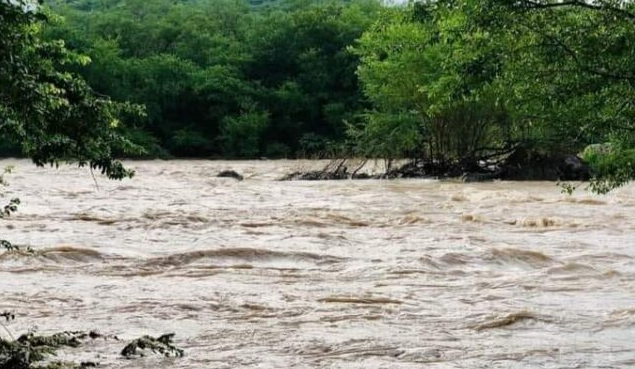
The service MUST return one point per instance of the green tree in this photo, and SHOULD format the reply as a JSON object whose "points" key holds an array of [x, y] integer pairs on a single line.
{"points": [[568, 73], [52, 113], [305, 71], [474, 77], [430, 84]]}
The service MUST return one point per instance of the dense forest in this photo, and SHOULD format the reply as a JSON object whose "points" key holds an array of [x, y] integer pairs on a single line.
{"points": [[450, 82], [222, 77]]}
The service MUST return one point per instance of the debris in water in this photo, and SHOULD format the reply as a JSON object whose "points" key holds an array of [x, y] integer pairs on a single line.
{"points": [[29, 350], [506, 320], [230, 174], [162, 345]]}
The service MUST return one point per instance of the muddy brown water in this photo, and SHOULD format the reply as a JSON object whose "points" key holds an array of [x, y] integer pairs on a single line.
{"points": [[340, 274]]}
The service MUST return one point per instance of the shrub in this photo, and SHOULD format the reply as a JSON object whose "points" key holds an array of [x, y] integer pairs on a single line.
{"points": [[242, 136]]}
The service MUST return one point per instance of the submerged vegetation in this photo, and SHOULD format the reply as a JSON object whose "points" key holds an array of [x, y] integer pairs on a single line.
{"points": [[162, 345], [31, 351], [10, 208]]}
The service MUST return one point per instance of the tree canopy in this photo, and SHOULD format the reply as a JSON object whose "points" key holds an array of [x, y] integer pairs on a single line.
{"points": [[223, 77]]}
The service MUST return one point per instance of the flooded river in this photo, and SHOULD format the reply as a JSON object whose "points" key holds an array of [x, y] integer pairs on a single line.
{"points": [[339, 274]]}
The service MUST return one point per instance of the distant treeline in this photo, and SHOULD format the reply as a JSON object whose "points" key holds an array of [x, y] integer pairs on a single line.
{"points": [[224, 78]]}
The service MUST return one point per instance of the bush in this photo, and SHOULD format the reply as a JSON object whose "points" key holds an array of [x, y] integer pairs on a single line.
{"points": [[242, 136]]}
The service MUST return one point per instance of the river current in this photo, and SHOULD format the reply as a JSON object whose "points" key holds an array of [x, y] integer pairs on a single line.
{"points": [[261, 273]]}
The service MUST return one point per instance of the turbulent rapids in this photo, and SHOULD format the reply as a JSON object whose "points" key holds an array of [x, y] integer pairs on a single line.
{"points": [[340, 274]]}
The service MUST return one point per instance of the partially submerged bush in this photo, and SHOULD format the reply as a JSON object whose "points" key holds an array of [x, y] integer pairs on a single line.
{"points": [[30, 351], [162, 345]]}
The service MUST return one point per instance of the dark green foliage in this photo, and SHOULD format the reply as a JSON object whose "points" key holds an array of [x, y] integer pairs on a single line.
{"points": [[189, 142], [162, 345], [210, 71], [150, 144], [242, 136]]}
